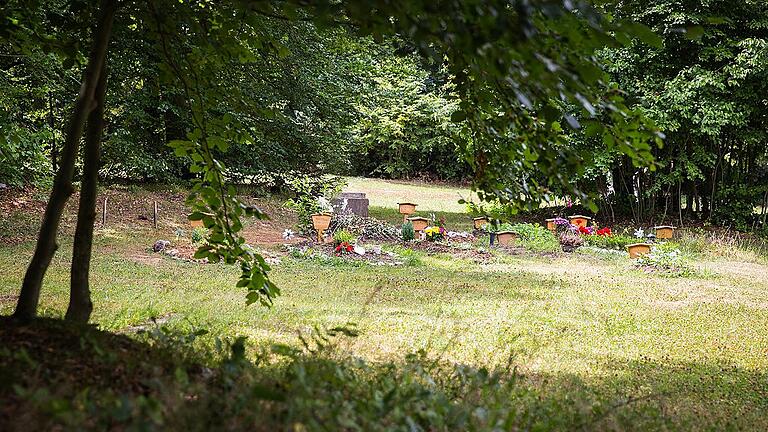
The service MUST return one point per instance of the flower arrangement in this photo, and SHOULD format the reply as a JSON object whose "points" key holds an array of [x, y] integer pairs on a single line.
{"points": [[434, 233], [570, 241], [588, 230], [666, 259], [343, 236], [343, 247]]}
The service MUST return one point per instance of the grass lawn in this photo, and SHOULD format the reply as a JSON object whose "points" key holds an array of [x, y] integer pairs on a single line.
{"points": [[665, 353], [440, 201], [430, 198]]}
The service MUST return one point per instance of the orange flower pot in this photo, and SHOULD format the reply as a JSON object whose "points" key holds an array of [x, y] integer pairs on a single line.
{"points": [[551, 225], [407, 209], [321, 222], [196, 224], [480, 221], [419, 223], [637, 249], [506, 238], [579, 220], [664, 232]]}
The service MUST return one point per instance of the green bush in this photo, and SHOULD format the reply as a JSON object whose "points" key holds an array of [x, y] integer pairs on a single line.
{"points": [[616, 241], [308, 386], [199, 235], [311, 195], [534, 237], [407, 232]]}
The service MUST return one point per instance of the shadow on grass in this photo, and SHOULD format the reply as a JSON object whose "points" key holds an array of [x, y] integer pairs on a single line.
{"points": [[55, 376]]}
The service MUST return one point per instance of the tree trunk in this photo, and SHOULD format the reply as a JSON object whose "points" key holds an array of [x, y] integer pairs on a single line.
{"points": [[80, 305], [26, 307]]}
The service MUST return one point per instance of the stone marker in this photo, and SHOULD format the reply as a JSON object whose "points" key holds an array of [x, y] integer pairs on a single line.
{"points": [[351, 202]]}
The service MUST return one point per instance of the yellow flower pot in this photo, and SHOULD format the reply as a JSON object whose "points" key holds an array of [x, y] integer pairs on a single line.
{"points": [[321, 222], [637, 249], [551, 225]]}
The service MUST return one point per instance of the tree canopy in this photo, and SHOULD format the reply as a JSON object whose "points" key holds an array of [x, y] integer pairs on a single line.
{"points": [[527, 99]]}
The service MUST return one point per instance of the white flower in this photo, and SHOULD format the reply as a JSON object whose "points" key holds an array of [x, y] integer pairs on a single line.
{"points": [[639, 233], [288, 234], [324, 204]]}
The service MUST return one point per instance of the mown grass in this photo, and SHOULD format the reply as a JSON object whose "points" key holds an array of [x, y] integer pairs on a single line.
{"points": [[430, 198], [598, 344], [691, 349]]}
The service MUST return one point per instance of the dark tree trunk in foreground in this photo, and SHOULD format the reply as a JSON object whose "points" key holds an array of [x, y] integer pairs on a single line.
{"points": [[80, 305], [26, 308]]}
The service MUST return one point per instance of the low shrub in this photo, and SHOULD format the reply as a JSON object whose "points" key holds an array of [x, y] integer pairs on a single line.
{"points": [[343, 236], [615, 241], [407, 233], [171, 383], [665, 258], [535, 237], [199, 235], [365, 228], [311, 195]]}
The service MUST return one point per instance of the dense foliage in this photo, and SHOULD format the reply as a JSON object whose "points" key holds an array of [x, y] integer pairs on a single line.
{"points": [[706, 89]]}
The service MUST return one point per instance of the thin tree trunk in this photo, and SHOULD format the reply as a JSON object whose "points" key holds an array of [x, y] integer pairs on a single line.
{"points": [[26, 307], [680, 200], [80, 305]]}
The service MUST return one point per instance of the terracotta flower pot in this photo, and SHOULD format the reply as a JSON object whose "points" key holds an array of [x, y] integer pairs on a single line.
{"points": [[480, 221], [551, 225], [321, 222], [579, 220], [419, 223], [506, 237], [637, 249], [407, 209], [664, 232], [196, 224]]}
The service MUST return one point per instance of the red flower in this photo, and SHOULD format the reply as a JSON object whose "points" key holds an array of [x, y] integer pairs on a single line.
{"points": [[583, 230], [343, 247], [605, 232]]}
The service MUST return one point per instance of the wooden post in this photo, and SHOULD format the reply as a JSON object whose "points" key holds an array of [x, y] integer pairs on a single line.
{"points": [[154, 215], [104, 213]]}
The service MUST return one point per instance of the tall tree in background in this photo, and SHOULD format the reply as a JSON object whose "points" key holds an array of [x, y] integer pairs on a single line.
{"points": [[708, 94]]}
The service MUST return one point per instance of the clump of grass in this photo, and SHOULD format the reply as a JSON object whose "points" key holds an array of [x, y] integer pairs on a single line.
{"points": [[723, 244], [665, 259]]}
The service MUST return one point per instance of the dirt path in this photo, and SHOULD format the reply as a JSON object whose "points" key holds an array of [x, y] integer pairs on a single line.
{"points": [[129, 208]]}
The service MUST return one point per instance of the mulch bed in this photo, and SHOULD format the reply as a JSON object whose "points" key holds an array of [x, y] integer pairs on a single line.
{"points": [[435, 248], [328, 249]]}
